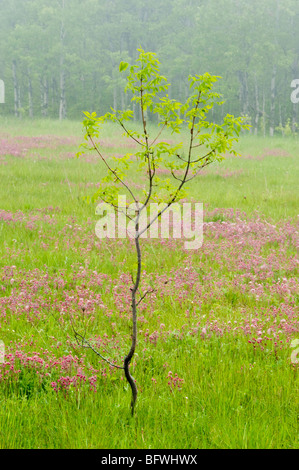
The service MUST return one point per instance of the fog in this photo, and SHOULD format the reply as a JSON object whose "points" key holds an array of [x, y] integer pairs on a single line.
{"points": [[59, 58]]}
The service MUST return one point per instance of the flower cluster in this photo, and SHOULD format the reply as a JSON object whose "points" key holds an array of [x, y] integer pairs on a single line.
{"points": [[243, 281], [174, 381]]}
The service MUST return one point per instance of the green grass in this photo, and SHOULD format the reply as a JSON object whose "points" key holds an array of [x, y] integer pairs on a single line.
{"points": [[268, 185], [221, 407], [233, 393]]}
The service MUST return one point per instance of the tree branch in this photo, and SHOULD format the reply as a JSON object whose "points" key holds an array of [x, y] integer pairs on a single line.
{"points": [[88, 345], [128, 133], [111, 169]]}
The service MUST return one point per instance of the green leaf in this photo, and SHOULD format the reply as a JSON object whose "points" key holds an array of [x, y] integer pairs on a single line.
{"points": [[123, 66]]}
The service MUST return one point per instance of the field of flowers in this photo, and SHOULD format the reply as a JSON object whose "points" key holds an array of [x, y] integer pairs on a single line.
{"points": [[214, 363]]}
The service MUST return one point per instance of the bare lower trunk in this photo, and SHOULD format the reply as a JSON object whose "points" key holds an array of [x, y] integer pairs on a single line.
{"points": [[244, 95], [15, 88], [2, 92], [272, 105], [280, 116], [264, 114], [257, 107], [30, 100], [19, 101], [62, 102], [54, 92], [130, 355], [114, 98], [295, 70], [44, 96], [274, 73]]}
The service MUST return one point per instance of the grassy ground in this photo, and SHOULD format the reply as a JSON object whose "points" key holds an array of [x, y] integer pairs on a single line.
{"points": [[213, 363]]}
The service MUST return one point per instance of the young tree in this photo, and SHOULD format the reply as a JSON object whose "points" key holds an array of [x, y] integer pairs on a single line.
{"points": [[207, 142]]}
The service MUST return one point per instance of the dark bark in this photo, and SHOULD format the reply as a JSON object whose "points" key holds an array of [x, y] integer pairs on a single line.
{"points": [[131, 353]]}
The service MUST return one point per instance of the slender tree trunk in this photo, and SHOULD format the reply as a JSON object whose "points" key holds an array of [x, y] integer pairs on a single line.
{"points": [[280, 116], [44, 96], [94, 95], [16, 88], [274, 74], [130, 355], [54, 92], [62, 102], [30, 99], [272, 103], [257, 106], [114, 98], [244, 95], [19, 101], [2, 92], [295, 71]]}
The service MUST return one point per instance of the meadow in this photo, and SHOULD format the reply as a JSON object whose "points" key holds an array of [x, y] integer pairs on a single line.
{"points": [[214, 365]]}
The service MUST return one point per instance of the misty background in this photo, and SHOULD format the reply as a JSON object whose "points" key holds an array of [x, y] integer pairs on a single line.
{"points": [[59, 58]]}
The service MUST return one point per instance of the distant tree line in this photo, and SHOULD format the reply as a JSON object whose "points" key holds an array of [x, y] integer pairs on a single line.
{"points": [[60, 57]]}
